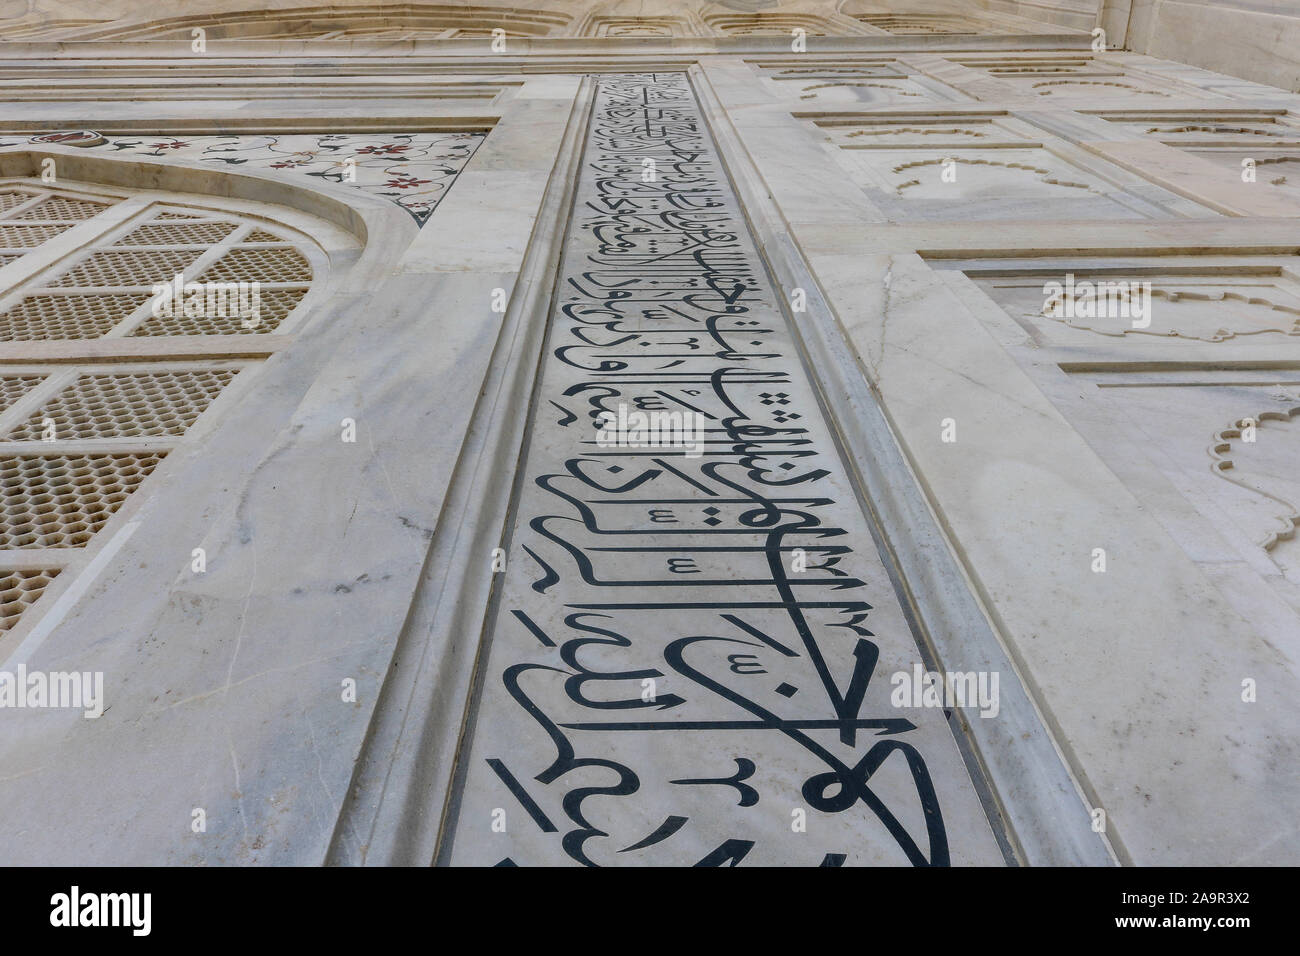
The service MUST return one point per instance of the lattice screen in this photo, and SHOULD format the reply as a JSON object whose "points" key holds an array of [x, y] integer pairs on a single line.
{"points": [[18, 591], [80, 436]]}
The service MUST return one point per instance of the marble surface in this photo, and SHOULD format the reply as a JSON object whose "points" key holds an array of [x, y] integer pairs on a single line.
{"points": [[1028, 490], [226, 688], [1026, 443], [662, 687]]}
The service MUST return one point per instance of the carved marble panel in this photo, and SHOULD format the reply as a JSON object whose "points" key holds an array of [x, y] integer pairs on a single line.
{"points": [[926, 24], [1096, 84], [973, 184], [1028, 65], [1229, 444], [795, 69], [1074, 307], [1191, 400], [1250, 129], [771, 24], [1261, 167], [637, 27], [1260, 451], [929, 130], [859, 90]]}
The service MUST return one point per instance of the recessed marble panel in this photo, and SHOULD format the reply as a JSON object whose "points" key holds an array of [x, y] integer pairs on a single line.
{"points": [[919, 131], [795, 70], [925, 24], [972, 184], [1028, 66], [1233, 449], [1262, 167], [1093, 87], [1072, 308], [1250, 129], [862, 91]]}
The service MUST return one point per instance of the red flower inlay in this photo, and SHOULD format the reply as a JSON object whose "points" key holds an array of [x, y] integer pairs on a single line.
{"points": [[406, 182]]}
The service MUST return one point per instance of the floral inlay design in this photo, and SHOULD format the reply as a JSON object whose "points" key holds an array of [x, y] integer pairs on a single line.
{"points": [[413, 170]]}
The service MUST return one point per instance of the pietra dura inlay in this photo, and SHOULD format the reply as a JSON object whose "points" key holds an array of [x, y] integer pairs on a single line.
{"points": [[411, 170], [664, 684]]}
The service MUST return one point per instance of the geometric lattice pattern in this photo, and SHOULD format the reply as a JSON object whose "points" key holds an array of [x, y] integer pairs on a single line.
{"points": [[263, 265], [130, 268], [56, 495], [60, 501], [114, 265], [10, 198], [177, 234], [273, 306], [62, 208], [19, 590], [26, 237], [14, 387], [66, 316], [139, 405]]}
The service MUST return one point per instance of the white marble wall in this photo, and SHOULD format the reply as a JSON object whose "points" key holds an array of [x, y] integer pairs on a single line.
{"points": [[921, 191]]}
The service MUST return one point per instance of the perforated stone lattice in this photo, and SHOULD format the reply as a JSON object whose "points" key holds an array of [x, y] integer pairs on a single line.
{"points": [[19, 590], [27, 237], [14, 387], [62, 208], [72, 316], [127, 406], [259, 264], [177, 234], [128, 267], [274, 306], [40, 316], [12, 198], [60, 501]]}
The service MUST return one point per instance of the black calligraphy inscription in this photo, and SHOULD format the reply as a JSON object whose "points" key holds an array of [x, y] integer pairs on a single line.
{"points": [[691, 664]]}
